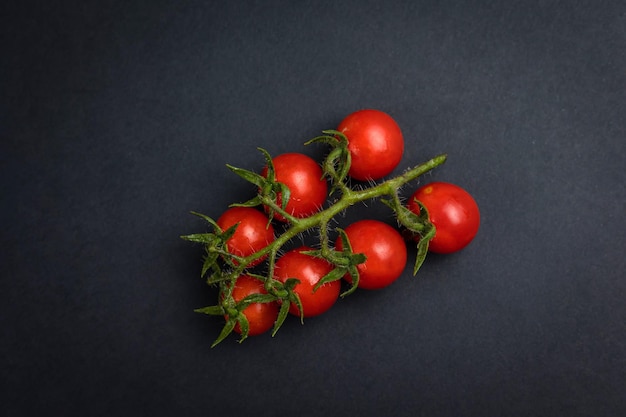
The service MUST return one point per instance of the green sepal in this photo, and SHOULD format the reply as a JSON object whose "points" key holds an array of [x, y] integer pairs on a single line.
{"points": [[228, 233], [422, 251], [425, 233], [226, 330], [268, 188], [207, 218], [200, 237], [316, 253], [423, 211], [357, 258], [277, 289], [425, 236], [255, 298], [329, 137], [211, 310], [269, 163], [413, 222], [285, 194], [293, 297], [253, 202], [354, 276], [283, 312], [335, 275], [210, 262], [217, 277], [206, 238], [249, 176], [418, 225], [341, 158], [345, 263], [337, 163], [215, 248], [244, 325], [284, 294], [215, 245], [354, 260]]}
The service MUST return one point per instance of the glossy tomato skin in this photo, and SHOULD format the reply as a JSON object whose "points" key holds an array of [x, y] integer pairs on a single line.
{"points": [[375, 143], [253, 233], [261, 316], [303, 175], [309, 270], [453, 212], [384, 248]]}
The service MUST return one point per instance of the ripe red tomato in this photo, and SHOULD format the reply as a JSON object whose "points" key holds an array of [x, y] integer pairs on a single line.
{"points": [[253, 233], [303, 175], [375, 143], [452, 211], [309, 270], [261, 316], [384, 248]]}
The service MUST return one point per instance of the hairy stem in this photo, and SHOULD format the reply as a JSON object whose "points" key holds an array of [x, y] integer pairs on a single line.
{"points": [[349, 198]]}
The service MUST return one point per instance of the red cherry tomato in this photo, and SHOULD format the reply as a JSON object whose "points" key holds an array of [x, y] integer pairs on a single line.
{"points": [[453, 212], [309, 270], [253, 233], [384, 248], [303, 176], [261, 316], [375, 143]]}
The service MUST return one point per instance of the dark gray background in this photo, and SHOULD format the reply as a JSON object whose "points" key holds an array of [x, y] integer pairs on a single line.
{"points": [[117, 118]]}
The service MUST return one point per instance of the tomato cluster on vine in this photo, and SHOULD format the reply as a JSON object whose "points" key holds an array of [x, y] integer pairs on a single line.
{"points": [[260, 283]]}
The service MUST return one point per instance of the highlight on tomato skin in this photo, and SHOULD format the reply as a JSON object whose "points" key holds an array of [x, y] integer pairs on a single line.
{"points": [[261, 316], [309, 270], [453, 212], [303, 175], [254, 231], [384, 248], [375, 142]]}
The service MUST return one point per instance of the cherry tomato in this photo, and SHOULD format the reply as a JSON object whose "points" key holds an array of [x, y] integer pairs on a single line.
{"points": [[303, 175], [309, 270], [453, 212], [261, 316], [253, 233], [375, 143], [384, 248]]}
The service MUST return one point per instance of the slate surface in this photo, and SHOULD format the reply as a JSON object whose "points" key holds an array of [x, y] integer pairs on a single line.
{"points": [[117, 119]]}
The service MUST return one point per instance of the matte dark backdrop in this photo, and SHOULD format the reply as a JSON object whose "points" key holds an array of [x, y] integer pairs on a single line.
{"points": [[117, 118]]}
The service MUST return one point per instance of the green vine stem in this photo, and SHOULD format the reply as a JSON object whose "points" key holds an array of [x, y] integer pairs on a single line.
{"points": [[222, 268]]}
